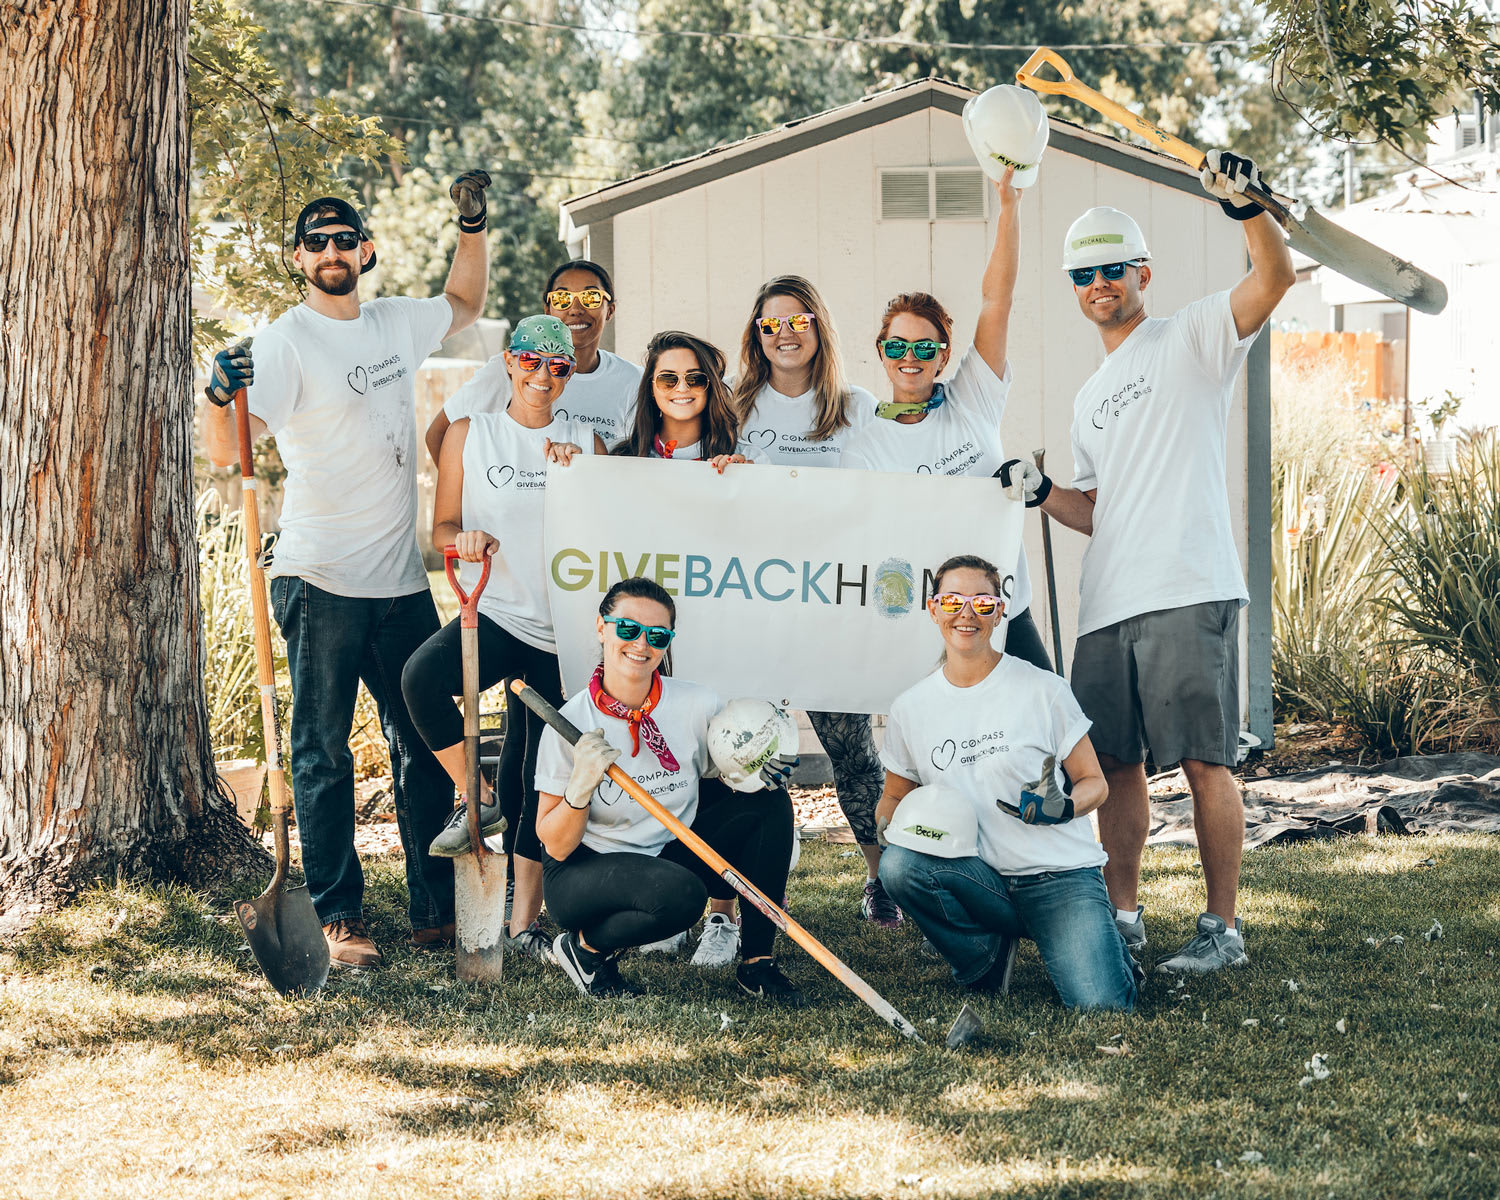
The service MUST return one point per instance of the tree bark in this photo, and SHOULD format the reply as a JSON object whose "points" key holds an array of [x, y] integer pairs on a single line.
{"points": [[105, 763]]}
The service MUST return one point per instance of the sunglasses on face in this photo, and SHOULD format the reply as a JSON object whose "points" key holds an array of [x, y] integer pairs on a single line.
{"points": [[557, 366], [797, 323], [1083, 276], [981, 606], [925, 350], [658, 637], [318, 242], [667, 380], [593, 297]]}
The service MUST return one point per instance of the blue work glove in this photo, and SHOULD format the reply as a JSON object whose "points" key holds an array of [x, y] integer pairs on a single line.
{"points": [[232, 370], [467, 193], [1043, 802]]}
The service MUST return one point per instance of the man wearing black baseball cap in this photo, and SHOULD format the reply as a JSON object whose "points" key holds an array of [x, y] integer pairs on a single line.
{"points": [[332, 380]]}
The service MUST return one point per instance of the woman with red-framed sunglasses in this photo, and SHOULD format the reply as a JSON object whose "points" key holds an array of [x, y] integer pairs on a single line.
{"points": [[492, 476]]}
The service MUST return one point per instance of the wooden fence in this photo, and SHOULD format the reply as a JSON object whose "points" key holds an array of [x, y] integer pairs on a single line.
{"points": [[1379, 366]]}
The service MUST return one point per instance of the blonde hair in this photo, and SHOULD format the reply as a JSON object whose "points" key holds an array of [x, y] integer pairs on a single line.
{"points": [[831, 394]]}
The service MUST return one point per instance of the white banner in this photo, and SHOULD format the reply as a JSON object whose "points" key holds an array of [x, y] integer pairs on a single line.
{"points": [[801, 585]]}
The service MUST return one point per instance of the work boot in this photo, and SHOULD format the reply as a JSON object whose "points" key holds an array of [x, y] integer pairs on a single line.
{"points": [[438, 938], [349, 944]]}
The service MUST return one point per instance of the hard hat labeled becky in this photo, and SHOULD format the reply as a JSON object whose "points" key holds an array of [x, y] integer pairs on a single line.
{"points": [[1101, 236], [746, 736], [935, 819], [1006, 127]]}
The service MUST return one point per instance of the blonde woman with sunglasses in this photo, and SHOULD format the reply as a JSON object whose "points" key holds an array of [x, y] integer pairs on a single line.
{"points": [[490, 494], [601, 392]]}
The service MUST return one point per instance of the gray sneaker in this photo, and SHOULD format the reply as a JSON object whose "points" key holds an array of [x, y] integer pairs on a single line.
{"points": [[1134, 932], [454, 838], [675, 944], [531, 942], [1212, 947], [719, 943]]}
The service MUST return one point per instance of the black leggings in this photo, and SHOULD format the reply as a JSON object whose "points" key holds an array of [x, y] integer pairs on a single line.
{"points": [[623, 899], [434, 675]]}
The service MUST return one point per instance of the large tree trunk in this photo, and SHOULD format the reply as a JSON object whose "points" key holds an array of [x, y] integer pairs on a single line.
{"points": [[105, 762]]}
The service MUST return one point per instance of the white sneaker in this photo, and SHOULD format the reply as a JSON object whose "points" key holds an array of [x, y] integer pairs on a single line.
{"points": [[675, 944], [719, 943]]}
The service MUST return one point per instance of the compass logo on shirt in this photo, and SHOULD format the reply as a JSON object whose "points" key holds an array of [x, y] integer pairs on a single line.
{"points": [[499, 476], [1113, 406]]}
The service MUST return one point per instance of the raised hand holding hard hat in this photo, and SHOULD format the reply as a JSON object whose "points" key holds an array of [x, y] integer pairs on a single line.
{"points": [[935, 819], [753, 745], [1006, 127], [1102, 236]]}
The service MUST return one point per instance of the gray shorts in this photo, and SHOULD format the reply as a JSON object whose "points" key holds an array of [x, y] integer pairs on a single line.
{"points": [[1166, 682]]}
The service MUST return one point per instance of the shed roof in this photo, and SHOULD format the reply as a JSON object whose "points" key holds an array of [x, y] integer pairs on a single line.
{"points": [[874, 109]]}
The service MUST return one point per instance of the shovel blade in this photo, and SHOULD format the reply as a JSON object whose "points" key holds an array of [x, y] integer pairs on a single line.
{"points": [[479, 912], [1364, 262], [287, 940], [966, 1027]]}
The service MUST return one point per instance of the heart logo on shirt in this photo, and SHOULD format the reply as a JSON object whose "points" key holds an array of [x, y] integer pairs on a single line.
{"points": [[500, 476], [358, 380], [764, 438], [561, 414], [1099, 414], [942, 756], [608, 792], [924, 469]]}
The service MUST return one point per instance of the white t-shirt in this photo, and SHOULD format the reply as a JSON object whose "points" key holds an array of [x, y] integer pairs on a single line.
{"points": [[505, 480], [1150, 432], [961, 437], [776, 429], [339, 398], [603, 400], [616, 822], [989, 741]]}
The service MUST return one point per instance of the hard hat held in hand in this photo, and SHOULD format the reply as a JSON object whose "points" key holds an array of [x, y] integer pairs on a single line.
{"points": [[935, 819], [1006, 127], [747, 734], [1102, 236]]}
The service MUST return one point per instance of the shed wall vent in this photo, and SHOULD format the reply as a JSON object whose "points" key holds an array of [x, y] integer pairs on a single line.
{"points": [[905, 196], [932, 194]]}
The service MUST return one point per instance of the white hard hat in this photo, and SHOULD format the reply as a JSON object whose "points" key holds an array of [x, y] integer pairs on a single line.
{"points": [[746, 734], [1103, 235], [935, 819], [1006, 127]]}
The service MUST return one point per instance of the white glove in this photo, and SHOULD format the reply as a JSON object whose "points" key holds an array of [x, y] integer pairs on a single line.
{"points": [[592, 757], [1023, 481], [1225, 177]]}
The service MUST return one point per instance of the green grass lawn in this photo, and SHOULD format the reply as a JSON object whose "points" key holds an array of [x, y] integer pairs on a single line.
{"points": [[142, 1054]]}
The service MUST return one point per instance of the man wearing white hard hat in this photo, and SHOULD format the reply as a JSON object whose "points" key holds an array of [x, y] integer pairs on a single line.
{"points": [[1156, 666]]}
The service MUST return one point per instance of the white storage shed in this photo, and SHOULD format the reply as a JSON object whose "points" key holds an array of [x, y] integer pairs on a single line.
{"points": [[883, 196]]}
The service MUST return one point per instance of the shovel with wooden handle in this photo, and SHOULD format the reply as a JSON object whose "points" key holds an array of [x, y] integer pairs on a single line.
{"points": [[1037, 456], [1306, 229], [280, 924], [479, 877]]}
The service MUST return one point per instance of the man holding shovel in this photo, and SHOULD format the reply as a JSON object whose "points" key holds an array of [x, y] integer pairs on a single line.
{"points": [[333, 381], [1156, 666]]}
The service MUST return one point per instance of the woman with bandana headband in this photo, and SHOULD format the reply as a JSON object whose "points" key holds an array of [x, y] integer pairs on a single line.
{"points": [[952, 427], [491, 483], [616, 877]]}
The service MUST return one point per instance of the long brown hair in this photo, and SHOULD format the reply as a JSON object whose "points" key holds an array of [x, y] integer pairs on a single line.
{"points": [[720, 427], [832, 396]]}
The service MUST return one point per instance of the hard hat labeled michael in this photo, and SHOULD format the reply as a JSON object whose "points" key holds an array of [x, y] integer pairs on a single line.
{"points": [[935, 819], [744, 736], [1006, 127], [1101, 236]]}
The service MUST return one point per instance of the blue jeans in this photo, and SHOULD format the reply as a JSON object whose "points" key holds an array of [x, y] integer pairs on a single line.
{"points": [[332, 643], [967, 909]]}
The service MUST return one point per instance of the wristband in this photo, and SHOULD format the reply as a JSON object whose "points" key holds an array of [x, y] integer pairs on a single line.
{"points": [[1043, 490]]}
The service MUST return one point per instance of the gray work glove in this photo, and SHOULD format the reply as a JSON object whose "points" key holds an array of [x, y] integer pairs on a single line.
{"points": [[592, 757], [467, 193]]}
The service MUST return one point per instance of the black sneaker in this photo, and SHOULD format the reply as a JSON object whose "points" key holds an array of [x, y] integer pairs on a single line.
{"points": [[764, 978], [454, 838], [593, 974]]}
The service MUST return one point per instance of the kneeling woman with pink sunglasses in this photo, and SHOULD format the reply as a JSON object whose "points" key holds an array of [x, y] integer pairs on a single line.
{"points": [[989, 776], [615, 877]]}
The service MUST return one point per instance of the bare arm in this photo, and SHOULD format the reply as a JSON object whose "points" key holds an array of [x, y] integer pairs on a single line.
{"points": [[434, 436], [559, 826], [997, 288], [1089, 788], [448, 500], [1256, 296], [1070, 507], [468, 281], [895, 790], [221, 438]]}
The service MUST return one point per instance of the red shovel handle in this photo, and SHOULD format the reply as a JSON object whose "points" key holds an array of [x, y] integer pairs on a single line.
{"points": [[468, 602]]}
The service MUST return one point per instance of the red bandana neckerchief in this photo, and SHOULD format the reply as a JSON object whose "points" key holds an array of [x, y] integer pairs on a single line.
{"points": [[639, 720], [664, 449]]}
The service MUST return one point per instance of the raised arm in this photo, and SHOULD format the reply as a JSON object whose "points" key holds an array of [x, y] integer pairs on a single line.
{"points": [[469, 276], [998, 287], [1225, 177]]}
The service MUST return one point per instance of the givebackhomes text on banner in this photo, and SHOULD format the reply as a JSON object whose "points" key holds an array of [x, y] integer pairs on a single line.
{"points": [[803, 586]]}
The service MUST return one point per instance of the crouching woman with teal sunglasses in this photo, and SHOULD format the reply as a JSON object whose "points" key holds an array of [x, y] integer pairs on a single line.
{"points": [[614, 876]]}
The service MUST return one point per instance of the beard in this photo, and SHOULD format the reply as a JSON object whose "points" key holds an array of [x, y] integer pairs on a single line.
{"points": [[327, 280]]}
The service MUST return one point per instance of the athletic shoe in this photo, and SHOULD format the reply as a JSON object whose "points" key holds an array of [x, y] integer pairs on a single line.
{"points": [[349, 945], [997, 978], [878, 907], [454, 838], [928, 950], [1134, 932], [437, 938], [675, 944], [594, 975], [531, 942], [1212, 947], [763, 978], [719, 943]]}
